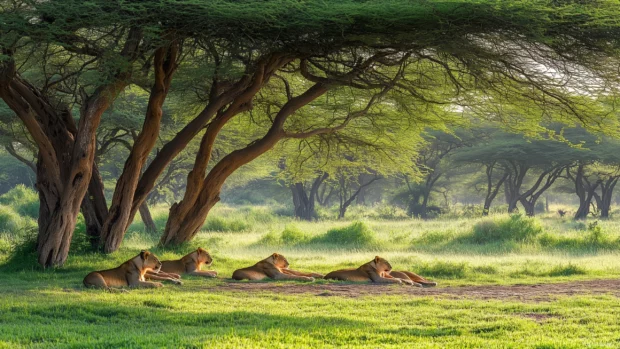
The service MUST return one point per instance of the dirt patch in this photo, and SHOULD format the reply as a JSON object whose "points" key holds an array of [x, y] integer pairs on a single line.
{"points": [[536, 292]]}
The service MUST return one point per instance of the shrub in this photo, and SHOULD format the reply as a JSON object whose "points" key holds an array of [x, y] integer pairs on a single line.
{"points": [[516, 228], [271, 239], [23, 200], [596, 237], [225, 225], [10, 221], [390, 212], [357, 234], [567, 270], [293, 236]]}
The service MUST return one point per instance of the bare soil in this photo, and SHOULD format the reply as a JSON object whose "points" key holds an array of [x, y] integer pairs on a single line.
{"points": [[535, 292]]}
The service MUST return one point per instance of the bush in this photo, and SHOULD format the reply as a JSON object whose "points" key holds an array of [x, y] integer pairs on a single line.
{"points": [[220, 224], [271, 239], [293, 236], [10, 221], [23, 200], [567, 270], [595, 236], [390, 212], [516, 228], [594, 239], [357, 234]]}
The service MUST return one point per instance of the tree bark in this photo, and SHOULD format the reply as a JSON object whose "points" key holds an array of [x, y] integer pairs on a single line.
{"points": [[65, 159], [304, 203], [492, 189], [113, 231], [528, 198], [231, 99], [584, 191], [147, 219], [607, 189], [187, 216]]}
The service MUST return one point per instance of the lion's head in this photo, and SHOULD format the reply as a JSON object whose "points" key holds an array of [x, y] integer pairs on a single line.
{"points": [[150, 261], [202, 256], [278, 260], [381, 265]]}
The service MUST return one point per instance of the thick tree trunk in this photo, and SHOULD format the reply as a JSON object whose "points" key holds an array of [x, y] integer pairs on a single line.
{"points": [[304, 203], [303, 206], [607, 189], [202, 193], [529, 207], [94, 208], [65, 160], [235, 99], [147, 219], [113, 231]]}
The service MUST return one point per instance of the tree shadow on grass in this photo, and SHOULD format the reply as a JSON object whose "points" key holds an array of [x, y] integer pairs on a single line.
{"points": [[145, 322]]}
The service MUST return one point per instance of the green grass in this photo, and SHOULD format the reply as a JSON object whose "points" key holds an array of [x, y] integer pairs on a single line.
{"points": [[51, 309]]}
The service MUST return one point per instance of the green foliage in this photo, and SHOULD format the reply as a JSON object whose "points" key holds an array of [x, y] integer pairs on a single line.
{"points": [[23, 200], [515, 228], [10, 221], [434, 238], [292, 235], [355, 235], [221, 224], [593, 239]]}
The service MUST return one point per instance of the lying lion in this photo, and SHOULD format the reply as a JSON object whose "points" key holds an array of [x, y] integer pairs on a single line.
{"points": [[130, 273], [379, 270], [273, 267], [407, 275], [190, 264]]}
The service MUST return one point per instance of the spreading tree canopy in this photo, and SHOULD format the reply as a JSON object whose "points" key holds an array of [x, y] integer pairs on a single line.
{"points": [[283, 62]]}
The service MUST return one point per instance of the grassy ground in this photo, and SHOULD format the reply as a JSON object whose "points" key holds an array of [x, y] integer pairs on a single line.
{"points": [[50, 308]]}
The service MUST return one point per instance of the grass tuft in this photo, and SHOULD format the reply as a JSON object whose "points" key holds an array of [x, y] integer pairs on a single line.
{"points": [[515, 228], [357, 235]]}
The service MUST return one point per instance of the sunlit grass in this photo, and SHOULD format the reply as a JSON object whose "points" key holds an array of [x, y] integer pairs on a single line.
{"points": [[51, 308]]}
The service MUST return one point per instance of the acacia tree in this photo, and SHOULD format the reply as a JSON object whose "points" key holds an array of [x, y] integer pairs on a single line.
{"points": [[431, 161], [317, 48]]}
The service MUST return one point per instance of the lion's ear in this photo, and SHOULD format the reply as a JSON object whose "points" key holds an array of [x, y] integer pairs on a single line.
{"points": [[144, 254], [377, 259], [275, 255], [201, 250]]}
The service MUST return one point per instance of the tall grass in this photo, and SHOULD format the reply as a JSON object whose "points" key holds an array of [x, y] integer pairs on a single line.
{"points": [[515, 228], [24, 200]]}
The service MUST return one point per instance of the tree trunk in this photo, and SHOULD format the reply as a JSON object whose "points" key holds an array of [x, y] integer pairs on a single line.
{"points": [[344, 202], [202, 193], [303, 206], [234, 99], [66, 153], [113, 231], [147, 219], [424, 205], [529, 207], [492, 189]]}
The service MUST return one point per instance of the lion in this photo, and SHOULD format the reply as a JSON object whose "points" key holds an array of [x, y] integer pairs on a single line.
{"points": [[130, 273], [377, 270], [190, 264], [407, 275], [273, 267]]}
